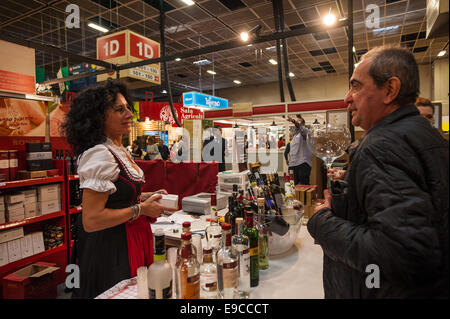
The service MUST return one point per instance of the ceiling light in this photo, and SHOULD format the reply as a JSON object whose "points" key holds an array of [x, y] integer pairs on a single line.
{"points": [[177, 59], [211, 72], [244, 36], [189, 2], [273, 61], [250, 45], [442, 53], [97, 27], [237, 81], [291, 74], [329, 19], [164, 92], [202, 62]]}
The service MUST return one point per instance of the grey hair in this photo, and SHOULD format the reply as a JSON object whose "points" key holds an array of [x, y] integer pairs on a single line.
{"points": [[395, 61]]}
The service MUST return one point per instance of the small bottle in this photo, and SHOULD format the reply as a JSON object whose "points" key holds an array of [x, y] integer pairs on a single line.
{"points": [[231, 215], [263, 239], [208, 276], [252, 235], [188, 271], [159, 273], [241, 245], [227, 266], [214, 231], [291, 177]]}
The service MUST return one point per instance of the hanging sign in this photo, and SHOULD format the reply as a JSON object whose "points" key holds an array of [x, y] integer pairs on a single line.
{"points": [[160, 111], [197, 99], [126, 47]]}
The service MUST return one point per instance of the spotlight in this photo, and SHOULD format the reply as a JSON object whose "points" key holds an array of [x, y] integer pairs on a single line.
{"points": [[329, 19], [211, 72], [237, 81], [97, 27], [246, 35], [442, 53], [273, 61]]}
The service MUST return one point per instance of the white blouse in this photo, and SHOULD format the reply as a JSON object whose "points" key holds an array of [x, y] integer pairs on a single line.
{"points": [[98, 169]]}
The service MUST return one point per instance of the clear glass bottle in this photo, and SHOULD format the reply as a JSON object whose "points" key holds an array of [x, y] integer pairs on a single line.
{"points": [[188, 271], [227, 266], [159, 274], [214, 231], [208, 276], [241, 244], [252, 235], [263, 239]]}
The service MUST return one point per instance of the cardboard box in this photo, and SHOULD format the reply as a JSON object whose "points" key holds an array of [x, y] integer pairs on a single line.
{"points": [[48, 192], [14, 198], [38, 242], [30, 196], [26, 244], [169, 200], [31, 174], [16, 215], [30, 210], [311, 195], [4, 254], [36, 281], [39, 156], [11, 234], [2, 217], [48, 207], [14, 250]]}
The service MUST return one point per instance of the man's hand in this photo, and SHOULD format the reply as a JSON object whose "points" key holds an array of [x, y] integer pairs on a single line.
{"points": [[327, 203], [336, 174]]}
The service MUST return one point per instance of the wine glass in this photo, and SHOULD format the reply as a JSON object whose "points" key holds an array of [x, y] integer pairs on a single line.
{"points": [[328, 142]]}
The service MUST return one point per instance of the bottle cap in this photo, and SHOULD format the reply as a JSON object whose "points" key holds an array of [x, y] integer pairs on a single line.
{"points": [[186, 224], [207, 250], [186, 236], [226, 226]]}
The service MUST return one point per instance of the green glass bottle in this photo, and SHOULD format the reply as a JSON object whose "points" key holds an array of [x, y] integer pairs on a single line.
{"points": [[230, 216], [252, 235]]}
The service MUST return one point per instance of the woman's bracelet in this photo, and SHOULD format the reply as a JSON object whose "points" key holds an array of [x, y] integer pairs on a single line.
{"points": [[136, 211]]}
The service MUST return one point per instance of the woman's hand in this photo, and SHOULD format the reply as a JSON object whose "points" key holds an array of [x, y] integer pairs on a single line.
{"points": [[327, 203], [152, 208], [336, 174]]}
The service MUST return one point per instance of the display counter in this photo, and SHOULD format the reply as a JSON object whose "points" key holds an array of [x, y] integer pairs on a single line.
{"points": [[296, 274]]}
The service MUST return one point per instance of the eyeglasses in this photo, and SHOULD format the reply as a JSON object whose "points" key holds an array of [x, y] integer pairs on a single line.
{"points": [[120, 108]]}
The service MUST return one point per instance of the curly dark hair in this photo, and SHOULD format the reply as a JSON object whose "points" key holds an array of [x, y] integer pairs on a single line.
{"points": [[84, 124]]}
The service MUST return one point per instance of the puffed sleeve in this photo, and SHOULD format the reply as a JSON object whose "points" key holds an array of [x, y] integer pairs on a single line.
{"points": [[98, 169]]}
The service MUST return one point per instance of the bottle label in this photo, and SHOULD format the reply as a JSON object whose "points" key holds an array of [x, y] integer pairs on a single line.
{"points": [[208, 282], [166, 293], [190, 289], [254, 251], [230, 275], [13, 162]]}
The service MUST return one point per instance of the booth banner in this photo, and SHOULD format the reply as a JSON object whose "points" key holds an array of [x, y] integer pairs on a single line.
{"points": [[21, 117], [160, 111]]}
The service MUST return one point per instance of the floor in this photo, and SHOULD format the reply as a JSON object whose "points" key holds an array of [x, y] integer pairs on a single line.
{"points": [[61, 292]]}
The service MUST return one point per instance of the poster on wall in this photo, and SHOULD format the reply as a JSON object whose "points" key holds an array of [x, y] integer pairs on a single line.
{"points": [[21, 117]]}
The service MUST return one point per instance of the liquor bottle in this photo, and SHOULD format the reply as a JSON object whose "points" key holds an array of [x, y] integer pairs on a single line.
{"points": [[263, 239], [241, 244], [69, 164], [287, 185], [56, 154], [213, 231], [208, 276], [227, 266], [188, 271], [186, 228], [235, 191], [275, 190], [159, 273], [240, 204], [231, 215], [252, 235]]}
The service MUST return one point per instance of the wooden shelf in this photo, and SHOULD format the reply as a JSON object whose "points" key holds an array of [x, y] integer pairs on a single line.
{"points": [[32, 220], [28, 260], [31, 182]]}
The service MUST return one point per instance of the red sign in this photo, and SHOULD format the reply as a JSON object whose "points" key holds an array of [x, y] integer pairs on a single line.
{"points": [[143, 48], [160, 111], [111, 47]]}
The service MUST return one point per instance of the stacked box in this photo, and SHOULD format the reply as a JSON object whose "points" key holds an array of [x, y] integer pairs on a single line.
{"points": [[4, 254], [14, 250], [2, 210], [30, 204], [39, 156], [49, 199], [38, 242], [26, 244], [15, 210]]}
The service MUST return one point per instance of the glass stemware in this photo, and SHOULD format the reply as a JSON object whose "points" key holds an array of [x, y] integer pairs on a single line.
{"points": [[328, 142]]}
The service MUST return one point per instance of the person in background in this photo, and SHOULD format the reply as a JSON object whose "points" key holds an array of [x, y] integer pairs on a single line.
{"points": [[300, 157], [182, 150], [114, 236], [221, 144], [281, 142], [384, 228], [152, 149], [163, 150], [136, 151], [287, 150], [426, 109]]}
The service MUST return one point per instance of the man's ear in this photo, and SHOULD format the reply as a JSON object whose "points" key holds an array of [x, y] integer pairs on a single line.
{"points": [[392, 87]]}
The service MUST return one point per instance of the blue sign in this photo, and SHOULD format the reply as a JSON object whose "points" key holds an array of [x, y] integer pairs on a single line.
{"points": [[203, 100]]}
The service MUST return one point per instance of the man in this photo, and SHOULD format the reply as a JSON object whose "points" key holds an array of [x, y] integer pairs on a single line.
{"points": [[217, 147], [426, 109], [163, 150], [384, 229], [300, 157]]}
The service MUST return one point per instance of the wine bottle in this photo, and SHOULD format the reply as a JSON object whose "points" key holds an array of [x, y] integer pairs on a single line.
{"points": [[227, 266], [188, 271], [263, 239], [252, 235], [241, 244], [231, 215], [159, 273]]}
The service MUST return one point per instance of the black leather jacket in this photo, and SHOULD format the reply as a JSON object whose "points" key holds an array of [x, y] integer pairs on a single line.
{"points": [[391, 211]]}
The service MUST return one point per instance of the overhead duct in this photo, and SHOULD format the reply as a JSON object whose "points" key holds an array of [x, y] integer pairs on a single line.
{"points": [[437, 18]]}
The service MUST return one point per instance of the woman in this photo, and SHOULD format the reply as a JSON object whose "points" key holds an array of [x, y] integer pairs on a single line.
{"points": [[116, 237], [152, 149], [136, 151]]}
